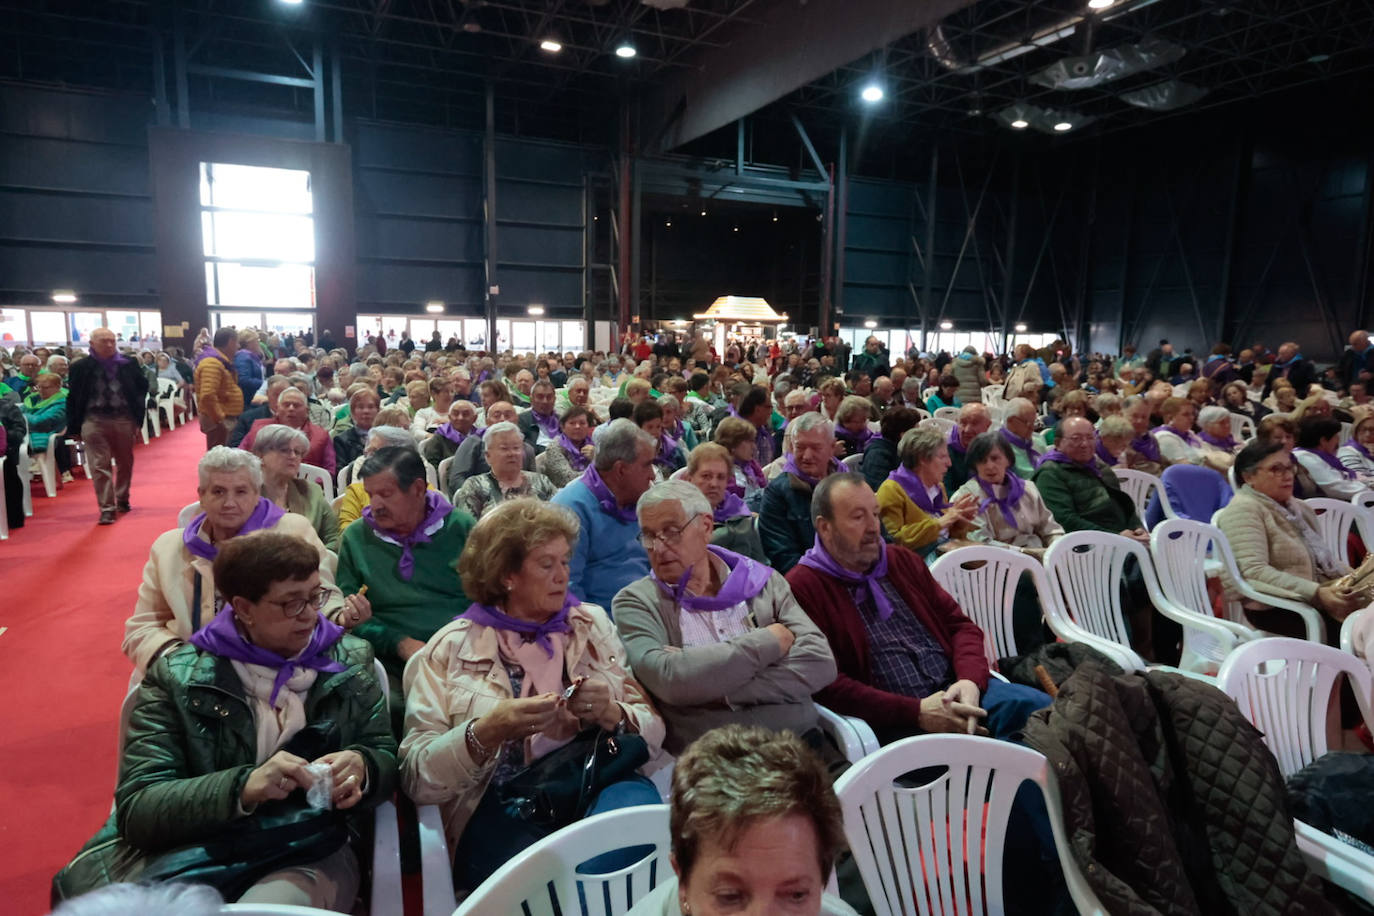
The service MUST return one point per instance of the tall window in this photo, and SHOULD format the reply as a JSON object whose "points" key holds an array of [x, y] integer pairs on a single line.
{"points": [[258, 230]]}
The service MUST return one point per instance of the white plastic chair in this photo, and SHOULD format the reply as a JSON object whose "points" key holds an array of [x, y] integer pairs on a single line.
{"points": [[854, 737], [927, 392], [943, 424], [1335, 517], [320, 476], [387, 896], [443, 476], [25, 475], [1180, 548], [1242, 427], [938, 848], [4, 507], [274, 909], [948, 413], [853, 462], [544, 878], [1348, 628], [1285, 688], [47, 465], [982, 581], [1312, 620], [1138, 486], [188, 512], [169, 400]]}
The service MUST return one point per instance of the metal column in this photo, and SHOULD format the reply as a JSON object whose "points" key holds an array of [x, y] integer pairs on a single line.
{"points": [[493, 289], [843, 221], [827, 257], [1009, 269], [928, 281]]}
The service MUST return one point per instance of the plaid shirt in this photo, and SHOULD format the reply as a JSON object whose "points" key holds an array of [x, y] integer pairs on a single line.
{"points": [[904, 658]]}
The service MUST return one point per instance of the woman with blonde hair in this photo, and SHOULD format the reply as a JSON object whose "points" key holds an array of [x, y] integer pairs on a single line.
{"points": [[915, 510], [852, 430], [740, 438]]}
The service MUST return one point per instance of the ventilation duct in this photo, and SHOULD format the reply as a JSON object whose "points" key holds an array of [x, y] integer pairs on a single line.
{"points": [[1104, 66], [665, 4], [940, 48], [1165, 96]]}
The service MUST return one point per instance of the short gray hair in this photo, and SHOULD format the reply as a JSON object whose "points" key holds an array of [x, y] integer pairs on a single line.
{"points": [[809, 421], [579, 380], [292, 389], [911, 383], [621, 441], [278, 437], [920, 443], [685, 494], [225, 460], [391, 436], [822, 502], [501, 429], [1115, 427], [1017, 406], [1211, 414], [670, 401], [170, 899], [850, 404]]}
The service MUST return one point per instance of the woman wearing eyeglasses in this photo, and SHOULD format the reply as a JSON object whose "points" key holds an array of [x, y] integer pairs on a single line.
{"points": [[221, 735], [281, 450], [1277, 545]]}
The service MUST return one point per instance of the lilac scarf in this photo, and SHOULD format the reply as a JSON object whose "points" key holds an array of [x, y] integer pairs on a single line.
{"points": [[576, 459], [754, 471], [264, 516], [221, 637], [547, 422], [1189, 437], [905, 478], [1362, 450], [436, 510], [1227, 444], [604, 498], [746, 579], [1147, 447], [954, 442], [1107, 457], [1331, 460], [730, 507], [667, 452], [819, 559], [111, 365], [790, 466], [854, 442], [1026, 445], [1055, 454], [1016, 488], [488, 616], [448, 432]]}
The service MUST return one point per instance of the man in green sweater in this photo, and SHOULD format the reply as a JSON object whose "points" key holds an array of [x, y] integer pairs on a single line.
{"points": [[405, 550]]}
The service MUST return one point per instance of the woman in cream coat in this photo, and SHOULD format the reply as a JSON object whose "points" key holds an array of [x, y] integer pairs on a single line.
{"points": [[999, 492]]}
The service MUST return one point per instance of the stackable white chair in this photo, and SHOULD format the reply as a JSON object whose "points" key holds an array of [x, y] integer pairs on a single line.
{"points": [[1348, 628], [4, 506], [1335, 518], [943, 424], [25, 469], [1312, 621], [168, 399], [854, 737], [948, 413], [927, 392], [318, 475], [1285, 688], [1242, 428], [188, 512], [47, 465], [983, 580], [937, 849], [443, 476], [1138, 486], [853, 462]]}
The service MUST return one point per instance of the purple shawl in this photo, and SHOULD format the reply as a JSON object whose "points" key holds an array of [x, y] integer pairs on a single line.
{"points": [[547, 422], [577, 460], [1361, 449], [1026, 445], [746, 579], [111, 365], [265, 515], [1147, 447], [905, 478], [819, 559], [954, 441], [221, 637], [754, 471], [730, 507], [1227, 444], [790, 466], [1330, 459], [487, 616], [667, 452], [604, 498], [1055, 454], [436, 510], [1107, 457], [1016, 488], [448, 432], [854, 442], [1189, 437]]}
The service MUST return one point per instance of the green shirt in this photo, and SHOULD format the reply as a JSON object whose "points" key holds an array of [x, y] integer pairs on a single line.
{"points": [[431, 598]]}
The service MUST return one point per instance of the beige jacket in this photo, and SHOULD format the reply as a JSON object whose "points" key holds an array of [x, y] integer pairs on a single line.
{"points": [[165, 597], [458, 677], [1035, 525], [1270, 551]]}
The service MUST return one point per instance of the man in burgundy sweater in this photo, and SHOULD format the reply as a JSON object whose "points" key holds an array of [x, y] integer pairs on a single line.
{"points": [[909, 660]]}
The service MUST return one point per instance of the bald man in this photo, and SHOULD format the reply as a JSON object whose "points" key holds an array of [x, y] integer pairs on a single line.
{"points": [[108, 395], [974, 420]]}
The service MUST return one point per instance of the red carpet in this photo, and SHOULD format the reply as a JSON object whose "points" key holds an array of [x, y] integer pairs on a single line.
{"points": [[66, 588]]}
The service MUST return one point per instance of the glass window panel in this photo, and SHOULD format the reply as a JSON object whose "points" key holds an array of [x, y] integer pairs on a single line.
{"points": [[392, 326], [502, 334], [125, 323], [548, 335], [289, 322], [283, 286], [476, 331], [235, 318], [50, 328], [451, 327], [523, 336], [83, 323], [266, 236], [574, 336], [421, 329], [14, 326], [251, 187], [151, 323]]}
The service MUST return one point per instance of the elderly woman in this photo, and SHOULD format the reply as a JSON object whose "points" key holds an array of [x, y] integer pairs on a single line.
{"points": [[1283, 397], [709, 469], [739, 437], [436, 411], [363, 405], [669, 454], [852, 431], [460, 423], [1277, 546], [1358, 453], [754, 821], [522, 672], [222, 733], [1318, 440], [880, 456], [571, 452], [506, 479], [177, 596], [281, 450], [1177, 441], [832, 395], [355, 497], [946, 394], [293, 410], [45, 409], [1010, 510], [1142, 454], [1214, 429], [673, 410], [1281, 429], [1236, 398], [248, 365], [912, 502]]}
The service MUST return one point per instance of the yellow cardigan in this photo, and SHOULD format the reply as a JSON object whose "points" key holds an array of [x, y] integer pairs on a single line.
{"points": [[352, 503], [907, 523]]}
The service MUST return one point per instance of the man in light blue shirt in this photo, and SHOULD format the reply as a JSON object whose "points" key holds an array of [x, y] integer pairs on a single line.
{"points": [[608, 555]]}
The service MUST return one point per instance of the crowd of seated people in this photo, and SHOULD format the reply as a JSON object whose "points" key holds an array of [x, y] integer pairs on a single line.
{"points": [[666, 547]]}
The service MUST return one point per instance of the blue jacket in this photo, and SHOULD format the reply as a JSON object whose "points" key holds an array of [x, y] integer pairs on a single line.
{"points": [[608, 555], [45, 418], [250, 375], [785, 524]]}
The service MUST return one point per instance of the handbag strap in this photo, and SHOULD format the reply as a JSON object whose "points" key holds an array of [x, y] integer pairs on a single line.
{"points": [[195, 604]]}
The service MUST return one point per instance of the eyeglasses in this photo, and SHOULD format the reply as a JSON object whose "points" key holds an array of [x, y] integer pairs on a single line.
{"points": [[1279, 470], [297, 606], [289, 450], [668, 537], [1086, 437]]}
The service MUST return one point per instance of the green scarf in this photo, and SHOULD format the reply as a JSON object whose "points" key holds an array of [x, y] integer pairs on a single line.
{"points": [[31, 404]]}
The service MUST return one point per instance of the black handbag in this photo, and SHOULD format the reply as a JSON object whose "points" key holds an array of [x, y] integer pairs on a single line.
{"points": [[559, 787]]}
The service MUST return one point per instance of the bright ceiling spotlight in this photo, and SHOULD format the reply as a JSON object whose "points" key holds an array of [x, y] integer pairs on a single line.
{"points": [[535, 310], [1020, 329], [870, 324], [291, 2], [703, 212], [668, 224], [625, 49], [63, 296], [872, 93], [1020, 124], [434, 306], [946, 325], [1062, 126], [1100, 4], [550, 45]]}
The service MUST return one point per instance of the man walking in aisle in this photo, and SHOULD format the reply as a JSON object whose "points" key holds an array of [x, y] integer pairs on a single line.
{"points": [[105, 405], [218, 396]]}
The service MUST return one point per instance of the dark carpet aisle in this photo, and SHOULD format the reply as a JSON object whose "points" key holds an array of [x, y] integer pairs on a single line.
{"points": [[66, 588]]}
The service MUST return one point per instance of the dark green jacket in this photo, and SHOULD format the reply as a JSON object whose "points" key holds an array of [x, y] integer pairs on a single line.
{"points": [[785, 525], [1081, 501]]}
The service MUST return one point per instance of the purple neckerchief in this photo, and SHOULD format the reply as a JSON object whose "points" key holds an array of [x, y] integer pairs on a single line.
{"points": [[954, 441], [576, 459], [1147, 447], [746, 579], [111, 365], [916, 489], [1055, 454], [436, 510], [819, 559], [730, 507], [754, 471], [1362, 450], [854, 442], [1189, 437], [667, 451], [547, 422], [1016, 488], [1026, 445], [604, 498], [1107, 457], [488, 616], [790, 466], [1229, 443], [265, 515], [448, 432], [221, 637], [1331, 460]]}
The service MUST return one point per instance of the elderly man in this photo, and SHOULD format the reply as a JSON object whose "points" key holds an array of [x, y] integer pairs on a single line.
{"points": [[1291, 365], [452, 433], [911, 393], [756, 407], [973, 422], [524, 384], [539, 424], [909, 660], [471, 457], [276, 384], [405, 551], [219, 399], [785, 512], [715, 637], [1018, 428], [22, 381], [608, 556], [106, 401], [58, 365], [882, 393], [873, 361]]}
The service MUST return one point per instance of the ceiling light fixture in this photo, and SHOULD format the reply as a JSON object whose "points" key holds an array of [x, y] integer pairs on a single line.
{"points": [[291, 2], [735, 229], [870, 324], [1020, 329], [1062, 126], [1020, 124], [668, 224], [775, 217], [872, 93], [535, 310], [434, 306], [63, 296], [1100, 4], [703, 212], [625, 49], [548, 44], [946, 325]]}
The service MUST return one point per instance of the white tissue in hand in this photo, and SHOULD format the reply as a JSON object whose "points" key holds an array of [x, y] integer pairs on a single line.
{"points": [[321, 791]]}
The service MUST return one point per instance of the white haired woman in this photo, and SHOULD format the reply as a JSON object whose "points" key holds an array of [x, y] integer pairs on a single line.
{"points": [[915, 509], [281, 450], [177, 596], [355, 495], [1214, 429], [506, 478]]}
